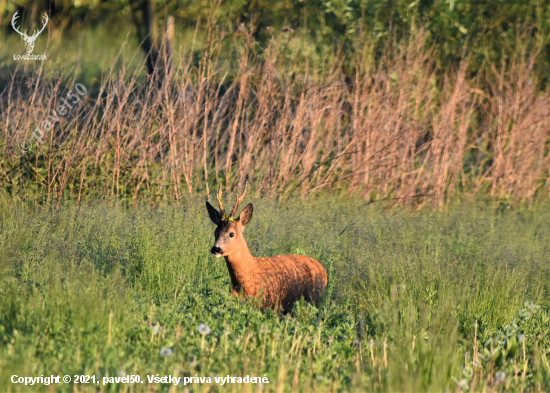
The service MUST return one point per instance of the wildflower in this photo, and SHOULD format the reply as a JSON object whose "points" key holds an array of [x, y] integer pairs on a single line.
{"points": [[193, 363], [155, 329], [475, 324], [166, 352], [320, 377], [121, 374], [521, 337], [204, 329], [500, 376]]}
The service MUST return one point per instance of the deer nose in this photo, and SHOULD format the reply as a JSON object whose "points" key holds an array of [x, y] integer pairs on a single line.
{"points": [[216, 250]]}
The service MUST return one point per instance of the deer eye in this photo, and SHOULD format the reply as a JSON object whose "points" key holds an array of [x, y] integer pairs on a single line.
{"points": [[232, 234]]}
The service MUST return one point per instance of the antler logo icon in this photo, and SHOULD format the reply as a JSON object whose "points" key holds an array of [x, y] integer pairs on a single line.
{"points": [[29, 41]]}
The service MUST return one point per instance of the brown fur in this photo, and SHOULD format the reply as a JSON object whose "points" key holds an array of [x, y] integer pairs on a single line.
{"points": [[281, 280]]}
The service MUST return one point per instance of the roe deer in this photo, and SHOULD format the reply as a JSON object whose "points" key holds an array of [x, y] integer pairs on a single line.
{"points": [[281, 279]]}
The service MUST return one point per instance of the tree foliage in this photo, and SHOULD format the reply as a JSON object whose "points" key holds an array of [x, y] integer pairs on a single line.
{"points": [[478, 28]]}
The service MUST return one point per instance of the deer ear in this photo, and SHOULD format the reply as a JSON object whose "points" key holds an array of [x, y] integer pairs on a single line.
{"points": [[215, 215], [246, 215]]}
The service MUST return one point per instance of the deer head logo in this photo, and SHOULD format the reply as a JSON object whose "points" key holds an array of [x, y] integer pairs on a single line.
{"points": [[29, 41]]}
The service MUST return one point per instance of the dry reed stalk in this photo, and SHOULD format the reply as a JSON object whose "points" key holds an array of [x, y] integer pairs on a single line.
{"points": [[392, 131]]}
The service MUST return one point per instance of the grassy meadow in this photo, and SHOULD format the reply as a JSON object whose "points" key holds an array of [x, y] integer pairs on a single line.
{"points": [[405, 145], [110, 291]]}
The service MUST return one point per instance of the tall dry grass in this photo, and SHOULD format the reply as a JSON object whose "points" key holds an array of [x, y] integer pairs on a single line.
{"points": [[397, 128]]}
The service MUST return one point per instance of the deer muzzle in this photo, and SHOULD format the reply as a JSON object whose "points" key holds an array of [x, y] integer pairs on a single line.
{"points": [[216, 251]]}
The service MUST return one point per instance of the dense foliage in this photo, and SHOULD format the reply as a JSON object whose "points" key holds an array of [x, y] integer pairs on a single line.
{"points": [[482, 29]]}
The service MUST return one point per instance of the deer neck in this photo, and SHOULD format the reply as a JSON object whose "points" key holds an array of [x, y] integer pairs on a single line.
{"points": [[242, 265]]}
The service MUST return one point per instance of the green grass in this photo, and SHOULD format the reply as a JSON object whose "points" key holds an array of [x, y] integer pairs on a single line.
{"points": [[392, 284]]}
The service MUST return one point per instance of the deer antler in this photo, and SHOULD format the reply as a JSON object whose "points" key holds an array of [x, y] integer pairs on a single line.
{"points": [[239, 200], [219, 198], [13, 24], [43, 27]]}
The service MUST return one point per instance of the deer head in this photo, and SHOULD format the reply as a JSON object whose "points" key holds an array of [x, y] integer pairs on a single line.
{"points": [[29, 41], [229, 231]]}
